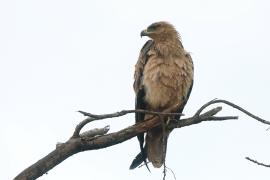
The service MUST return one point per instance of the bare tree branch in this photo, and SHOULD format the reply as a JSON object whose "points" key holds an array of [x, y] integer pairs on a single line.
{"points": [[98, 138], [94, 117]]}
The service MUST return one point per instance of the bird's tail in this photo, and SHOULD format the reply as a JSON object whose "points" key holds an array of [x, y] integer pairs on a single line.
{"points": [[140, 158], [156, 146], [155, 149]]}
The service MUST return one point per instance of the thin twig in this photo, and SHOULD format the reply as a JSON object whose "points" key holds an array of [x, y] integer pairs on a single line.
{"points": [[204, 106], [207, 116], [258, 163], [171, 172], [143, 164], [219, 118], [164, 171], [214, 101], [124, 112], [80, 126]]}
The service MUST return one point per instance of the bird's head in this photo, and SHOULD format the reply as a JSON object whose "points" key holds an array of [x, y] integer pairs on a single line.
{"points": [[160, 31]]}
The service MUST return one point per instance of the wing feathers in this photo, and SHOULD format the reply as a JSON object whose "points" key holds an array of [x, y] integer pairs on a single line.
{"points": [[140, 103]]}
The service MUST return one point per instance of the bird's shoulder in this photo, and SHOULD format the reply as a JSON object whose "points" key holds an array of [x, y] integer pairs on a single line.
{"points": [[142, 60]]}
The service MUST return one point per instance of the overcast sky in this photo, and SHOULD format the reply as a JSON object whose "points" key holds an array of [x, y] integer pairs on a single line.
{"points": [[60, 56]]}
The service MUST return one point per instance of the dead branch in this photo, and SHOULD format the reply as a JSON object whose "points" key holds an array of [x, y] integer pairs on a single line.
{"points": [[98, 138]]}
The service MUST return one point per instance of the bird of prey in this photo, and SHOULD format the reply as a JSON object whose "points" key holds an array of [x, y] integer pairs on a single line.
{"points": [[163, 79]]}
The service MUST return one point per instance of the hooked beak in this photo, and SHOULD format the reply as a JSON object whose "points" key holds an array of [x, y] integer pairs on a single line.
{"points": [[144, 33]]}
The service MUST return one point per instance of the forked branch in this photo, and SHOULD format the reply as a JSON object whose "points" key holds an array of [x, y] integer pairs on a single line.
{"points": [[98, 138]]}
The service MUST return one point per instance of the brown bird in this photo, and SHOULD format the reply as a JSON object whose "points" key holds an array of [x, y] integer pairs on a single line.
{"points": [[163, 79]]}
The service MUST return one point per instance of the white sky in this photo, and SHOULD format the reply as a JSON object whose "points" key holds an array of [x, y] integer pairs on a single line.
{"points": [[60, 56]]}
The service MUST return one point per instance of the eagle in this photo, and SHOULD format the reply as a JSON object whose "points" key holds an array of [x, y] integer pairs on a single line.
{"points": [[163, 80]]}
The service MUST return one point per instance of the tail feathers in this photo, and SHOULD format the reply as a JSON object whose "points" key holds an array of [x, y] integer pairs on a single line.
{"points": [[156, 146], [137, 161], [140, 158], [155, 149]]}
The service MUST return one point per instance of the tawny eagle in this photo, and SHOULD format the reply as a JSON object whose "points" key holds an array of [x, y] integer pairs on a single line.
{"points": [[163, 79]]}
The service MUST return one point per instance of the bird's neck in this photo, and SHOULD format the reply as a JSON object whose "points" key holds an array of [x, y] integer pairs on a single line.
{"points": [[169, 47]]}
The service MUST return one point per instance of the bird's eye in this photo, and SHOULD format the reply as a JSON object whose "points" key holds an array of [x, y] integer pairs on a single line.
{"points": [[153, 27]]}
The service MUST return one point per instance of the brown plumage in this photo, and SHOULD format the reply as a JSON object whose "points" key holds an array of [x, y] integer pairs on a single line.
{"points": [[163, 79]]}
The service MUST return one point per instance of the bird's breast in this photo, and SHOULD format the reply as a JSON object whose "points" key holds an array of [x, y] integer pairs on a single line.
{"points": [[166, 81]]}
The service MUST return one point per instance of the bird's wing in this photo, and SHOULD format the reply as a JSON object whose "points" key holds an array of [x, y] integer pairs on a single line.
{"points": [[140, 93], [143, 57], [185, 99]]}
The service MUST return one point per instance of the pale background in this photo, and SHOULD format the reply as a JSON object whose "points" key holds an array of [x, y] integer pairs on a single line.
{"points": [[60, 56]]}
